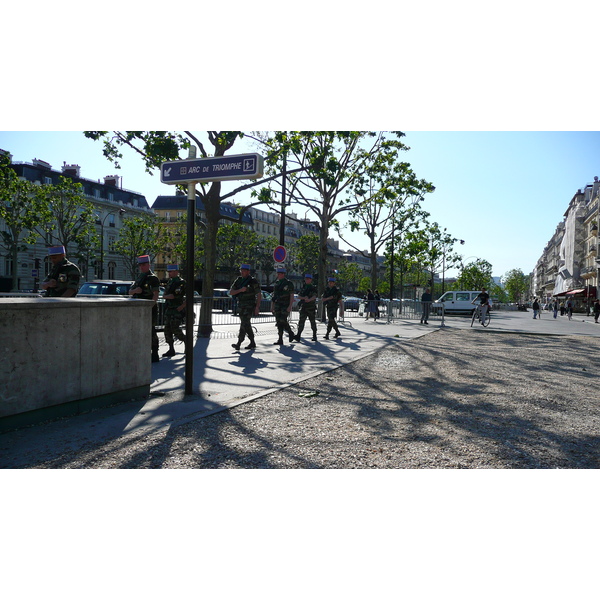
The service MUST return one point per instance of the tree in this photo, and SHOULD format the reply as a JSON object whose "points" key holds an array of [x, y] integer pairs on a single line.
{"points": [[330, 164], [305, 254], [392, 196], [20, 211], [516, 285], [155, 147], [349, 275], [67, 217], [236, 244], [475, 275], [138, 236]]}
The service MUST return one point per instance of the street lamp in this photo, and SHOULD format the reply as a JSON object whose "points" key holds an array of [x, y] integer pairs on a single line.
{"points": [[121, 211]]}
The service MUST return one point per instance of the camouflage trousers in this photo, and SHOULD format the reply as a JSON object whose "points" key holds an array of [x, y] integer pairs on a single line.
{"points": [[331, 314], [311, 316], [246, 313], [173, 323], [281, 320]]}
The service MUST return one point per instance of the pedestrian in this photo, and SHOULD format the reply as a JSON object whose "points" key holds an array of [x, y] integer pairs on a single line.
{"points": [[281, 305], [555, 308], [332, 299], [146, 287], [63, 280], [370, 305], [562, 309], [175, 304], [536, 308], [377, 303], [569, 308], [426, 299], [308, 307], [246, 292], [596, 309]]}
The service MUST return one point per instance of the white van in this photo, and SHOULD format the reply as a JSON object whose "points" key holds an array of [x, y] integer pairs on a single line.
{"points": [[459, 301]]}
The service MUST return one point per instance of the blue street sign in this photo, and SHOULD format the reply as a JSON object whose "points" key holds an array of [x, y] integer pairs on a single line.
{"points": [[216, 168]]}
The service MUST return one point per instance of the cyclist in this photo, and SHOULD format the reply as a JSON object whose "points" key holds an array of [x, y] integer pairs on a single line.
{"points": [[484, 299]]}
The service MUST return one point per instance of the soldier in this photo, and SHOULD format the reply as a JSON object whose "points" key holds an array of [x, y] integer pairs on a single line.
{"points": [[246, 290], [281, 305], [175, 303], [146, 287], [332, 298], [63, 280], [308, 307]]}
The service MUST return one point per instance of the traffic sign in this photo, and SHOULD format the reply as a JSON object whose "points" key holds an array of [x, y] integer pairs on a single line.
{"points": [[215, 168], [279, 254]]}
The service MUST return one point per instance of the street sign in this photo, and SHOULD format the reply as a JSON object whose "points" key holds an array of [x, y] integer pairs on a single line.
{"points": [[279, 254], [34, 272], [215, 168]]}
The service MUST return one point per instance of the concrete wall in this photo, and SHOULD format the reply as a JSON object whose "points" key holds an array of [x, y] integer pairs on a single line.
{"points": [[61, 351]]}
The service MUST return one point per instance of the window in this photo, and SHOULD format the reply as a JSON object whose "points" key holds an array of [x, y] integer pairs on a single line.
{"points": [[463, 296], [112, 267]]}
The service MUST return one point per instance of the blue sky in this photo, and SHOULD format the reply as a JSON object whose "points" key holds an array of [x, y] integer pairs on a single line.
{"points": [[504, 193]]}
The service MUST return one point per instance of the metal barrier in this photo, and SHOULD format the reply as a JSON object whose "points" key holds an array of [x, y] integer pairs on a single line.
{"points": [[400, 310]]}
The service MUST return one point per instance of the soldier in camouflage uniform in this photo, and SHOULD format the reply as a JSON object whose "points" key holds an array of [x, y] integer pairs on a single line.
{"points": [[63, 280], [308, 307], [175, 303], [281, 305], [246, 290], [146, 287], [332, 297]]}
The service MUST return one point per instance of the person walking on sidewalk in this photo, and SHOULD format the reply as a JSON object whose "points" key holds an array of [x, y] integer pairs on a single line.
{"points": [[596, 309], [536, 308], [426, 299], [308, 307], [484, 300], [281, 305], [332, 298], [175, 303], [246, 290], [146, 287]]}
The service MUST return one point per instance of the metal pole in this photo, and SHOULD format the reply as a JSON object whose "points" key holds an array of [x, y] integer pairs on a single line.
{"points": [[282, 224], [189, 291], [102, 249]]}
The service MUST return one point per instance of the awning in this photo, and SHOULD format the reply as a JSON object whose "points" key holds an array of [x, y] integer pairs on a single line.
{"points": [[583, 292]]}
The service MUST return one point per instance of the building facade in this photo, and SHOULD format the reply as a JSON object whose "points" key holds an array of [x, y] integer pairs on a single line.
{"points": [[568, 266], [111, 203]]}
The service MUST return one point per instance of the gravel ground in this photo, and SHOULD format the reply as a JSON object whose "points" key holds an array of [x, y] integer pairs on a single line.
{"points": [[451, 399]]}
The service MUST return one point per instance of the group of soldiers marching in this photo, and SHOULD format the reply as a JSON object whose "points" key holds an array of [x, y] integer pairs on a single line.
{"points": [[247, 291], [63, 281]]}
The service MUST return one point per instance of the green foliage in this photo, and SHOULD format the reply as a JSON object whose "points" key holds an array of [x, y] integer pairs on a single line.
{"points": [[475, 275], [305, 254], [67, 217], [236, 244], [349, 275], [138, 236], [516, 284], [20, 210]]}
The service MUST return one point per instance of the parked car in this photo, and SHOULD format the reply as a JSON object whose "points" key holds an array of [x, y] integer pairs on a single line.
{"points": [[105, 288], [222, 300], [351, 303], [459, 301]]}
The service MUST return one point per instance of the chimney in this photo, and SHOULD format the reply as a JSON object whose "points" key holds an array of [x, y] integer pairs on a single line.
{"points": [[41, 163], [70, 170], [112, 180]]}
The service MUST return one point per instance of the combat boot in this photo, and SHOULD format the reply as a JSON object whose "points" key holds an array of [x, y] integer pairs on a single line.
{"points": [[236, 346], [170, 351]]}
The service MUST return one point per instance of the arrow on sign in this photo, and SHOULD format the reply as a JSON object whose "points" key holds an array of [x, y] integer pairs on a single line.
{"points": [[167, 172]]}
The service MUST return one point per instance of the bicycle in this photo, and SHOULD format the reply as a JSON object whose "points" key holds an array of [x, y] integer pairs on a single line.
{"points": [[477, 313]]}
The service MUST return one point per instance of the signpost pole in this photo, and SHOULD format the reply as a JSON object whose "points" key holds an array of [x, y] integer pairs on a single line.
{"points": [[189, 278]]}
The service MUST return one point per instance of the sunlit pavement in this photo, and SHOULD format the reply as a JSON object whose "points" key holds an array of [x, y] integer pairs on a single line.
{"points": [[223, 377]]}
